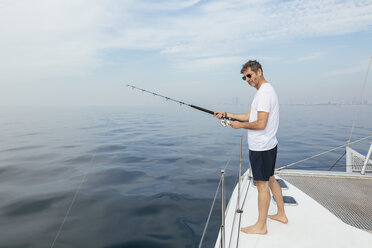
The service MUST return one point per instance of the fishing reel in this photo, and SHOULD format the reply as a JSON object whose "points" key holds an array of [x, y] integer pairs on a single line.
{"points": [[225, 122]]}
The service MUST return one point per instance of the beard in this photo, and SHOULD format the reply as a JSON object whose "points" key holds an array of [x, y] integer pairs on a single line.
{"points": [[254, 82]]}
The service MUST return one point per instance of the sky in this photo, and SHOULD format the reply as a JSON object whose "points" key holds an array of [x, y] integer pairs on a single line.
{"points": [[85, 52]]}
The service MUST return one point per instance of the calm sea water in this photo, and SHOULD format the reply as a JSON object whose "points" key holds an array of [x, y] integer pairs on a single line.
{"points": [[147, 176]]}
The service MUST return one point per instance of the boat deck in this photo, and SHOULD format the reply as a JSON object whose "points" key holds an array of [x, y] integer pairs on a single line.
{"points": [[348, 197], [324, 216]]}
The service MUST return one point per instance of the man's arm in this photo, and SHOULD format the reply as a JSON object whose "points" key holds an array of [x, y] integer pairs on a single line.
{"points": [[260, 124], [240, 117]]}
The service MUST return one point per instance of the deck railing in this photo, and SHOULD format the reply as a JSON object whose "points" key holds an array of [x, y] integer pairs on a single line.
{"points": [[223, 209], [366, 161]]}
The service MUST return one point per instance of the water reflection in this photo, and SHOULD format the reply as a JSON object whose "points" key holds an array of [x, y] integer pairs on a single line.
{"points": [[147, 179]]}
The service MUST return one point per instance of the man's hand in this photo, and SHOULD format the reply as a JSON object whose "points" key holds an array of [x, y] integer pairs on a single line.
{"points": [[236, 124], [219, 114]]}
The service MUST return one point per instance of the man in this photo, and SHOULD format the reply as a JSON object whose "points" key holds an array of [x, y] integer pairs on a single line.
{"points": [[261, 121]]}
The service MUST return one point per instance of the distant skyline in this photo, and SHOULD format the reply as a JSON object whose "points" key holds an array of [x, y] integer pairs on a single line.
{"points": [[84, 52]]}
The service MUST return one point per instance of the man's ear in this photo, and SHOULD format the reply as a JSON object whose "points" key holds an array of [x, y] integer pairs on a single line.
{"points": [[259, 72]]}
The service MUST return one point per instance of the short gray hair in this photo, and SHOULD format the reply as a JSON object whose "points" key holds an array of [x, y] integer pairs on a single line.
{"points": [[253, 64]]}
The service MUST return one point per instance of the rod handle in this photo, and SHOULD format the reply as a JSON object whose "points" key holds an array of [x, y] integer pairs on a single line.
{"points": [[202, 109]]}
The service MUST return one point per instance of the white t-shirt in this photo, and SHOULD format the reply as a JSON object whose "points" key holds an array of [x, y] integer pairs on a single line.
{"points": [[265, 100]]}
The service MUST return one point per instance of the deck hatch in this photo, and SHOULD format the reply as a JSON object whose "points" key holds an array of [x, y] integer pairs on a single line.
{"points": [[288, 200], [282, 183]]}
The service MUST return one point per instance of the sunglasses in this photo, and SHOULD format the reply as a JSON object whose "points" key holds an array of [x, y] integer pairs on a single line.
{"points": [[248, 76]]}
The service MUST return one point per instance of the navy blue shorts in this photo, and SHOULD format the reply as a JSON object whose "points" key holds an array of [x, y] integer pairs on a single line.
{"points": [[263, 163]]}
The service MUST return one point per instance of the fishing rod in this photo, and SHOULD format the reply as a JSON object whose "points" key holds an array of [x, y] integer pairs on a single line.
{"points": [[225, 121]]}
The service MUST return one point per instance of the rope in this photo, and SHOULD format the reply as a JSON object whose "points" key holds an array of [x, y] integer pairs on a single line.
{"points": [[336, 161], [74, 198], [322, 153], [71, 204], [360, 101]]}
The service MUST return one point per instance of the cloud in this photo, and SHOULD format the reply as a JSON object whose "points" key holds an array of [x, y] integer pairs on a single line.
{"points": [[42, 38], [221, 23], [164, 5], [348, 71], [218, 29], [59, 37], [311, 56], [205, 64]]}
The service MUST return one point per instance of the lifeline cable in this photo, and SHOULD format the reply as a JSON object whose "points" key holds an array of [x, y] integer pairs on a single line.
{"points": [[360, 101], [352, 128], [319, 154], [212, 207], [245, 197], [337, 161]]}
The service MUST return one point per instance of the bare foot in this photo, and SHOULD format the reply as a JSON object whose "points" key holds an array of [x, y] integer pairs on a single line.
{"points": [[255, 229], [279, 217]]}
